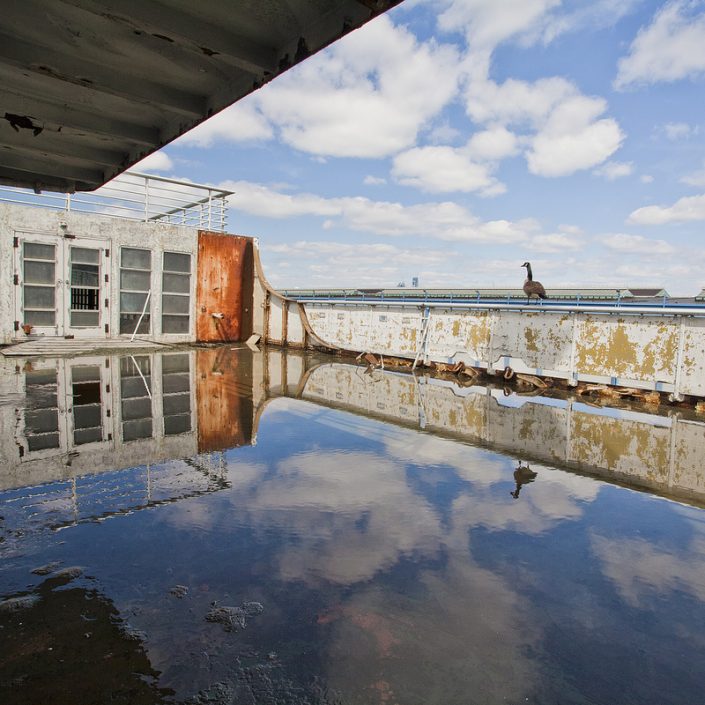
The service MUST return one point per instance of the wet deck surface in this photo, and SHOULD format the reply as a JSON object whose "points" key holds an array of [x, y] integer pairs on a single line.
{"points": [[269, 528]]}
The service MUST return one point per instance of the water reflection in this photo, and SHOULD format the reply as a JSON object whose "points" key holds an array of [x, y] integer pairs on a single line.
{"points": [[404, 540]]}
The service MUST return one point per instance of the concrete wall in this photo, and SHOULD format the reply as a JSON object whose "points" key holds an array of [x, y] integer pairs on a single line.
{"points": [[655, 351], [158, 237]]}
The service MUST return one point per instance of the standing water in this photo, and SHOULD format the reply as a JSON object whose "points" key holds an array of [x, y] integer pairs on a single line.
{"points": [[227, 526]]}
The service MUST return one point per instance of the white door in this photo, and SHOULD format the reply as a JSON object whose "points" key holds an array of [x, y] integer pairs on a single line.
{"points": [[61, 286], [88, 402], [85, 300]]}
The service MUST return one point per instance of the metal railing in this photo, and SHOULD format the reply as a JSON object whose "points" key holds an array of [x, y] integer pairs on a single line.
{"points": [[138, 196], [625, 308]]}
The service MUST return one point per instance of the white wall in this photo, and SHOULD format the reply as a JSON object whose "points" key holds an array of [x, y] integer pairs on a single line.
{"points": [[157, 237]]}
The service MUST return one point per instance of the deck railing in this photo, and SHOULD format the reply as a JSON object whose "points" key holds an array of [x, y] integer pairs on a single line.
{"points": [[138, 196]]}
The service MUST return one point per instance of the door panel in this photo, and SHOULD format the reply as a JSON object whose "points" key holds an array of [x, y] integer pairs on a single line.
{"points": [[38, 268], [84, 291]]}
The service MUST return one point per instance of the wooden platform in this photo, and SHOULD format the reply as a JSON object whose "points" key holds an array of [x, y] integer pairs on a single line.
{"points": [[60, 347]]}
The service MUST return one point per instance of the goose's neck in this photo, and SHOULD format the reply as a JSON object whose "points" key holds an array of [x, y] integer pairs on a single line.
{"points": [[529, 275]]}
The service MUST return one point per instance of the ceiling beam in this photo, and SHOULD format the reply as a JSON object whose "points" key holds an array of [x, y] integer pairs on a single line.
{"points": [[71, 149], [40, 166], [92, 77], [53, 117], [174, 25]]}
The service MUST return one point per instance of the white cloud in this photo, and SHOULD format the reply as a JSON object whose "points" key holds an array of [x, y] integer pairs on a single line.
{"points": [[493, 144], [554, 242], [685, 209], [597, 14], [440, 220], [573, 139], [242, 122], [614, 170], [487, 23], [671, 48], [679, 130], [260, 200], [374, 180], [561, 127], [443, 133], [516, 102], [646, 179], [157, 161], [367, 95], [443, 170], [636, 244], [696, 178]]}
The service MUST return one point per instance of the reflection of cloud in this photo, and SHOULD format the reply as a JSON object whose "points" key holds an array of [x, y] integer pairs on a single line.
{"points": [[474, 631], [638, 567], [353, 512], [551, 498], [470, 463]]}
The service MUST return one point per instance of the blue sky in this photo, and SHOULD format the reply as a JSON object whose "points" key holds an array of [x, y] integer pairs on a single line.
{"points": [[454, 139]]}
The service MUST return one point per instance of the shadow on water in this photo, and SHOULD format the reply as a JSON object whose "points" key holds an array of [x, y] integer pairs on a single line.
{"points": [[273, 527]]}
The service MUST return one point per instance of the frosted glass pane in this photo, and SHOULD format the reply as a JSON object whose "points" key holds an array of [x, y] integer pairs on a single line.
{"points": [[84, 275], [176, 283], [89, 435], [175, 324], [128, 321], [135, 387], [39, 318], [175, 304], [135, 281], [86, 374], [85, 319], [142, 428], [39, 297], [41, 421], [39, 272], [85, 255], [87, 416], [46, 440], [176, 262], [132, 303], [136, 408], [177, 404], [176, 363], [135, 259], [33, 250], [176, 382], [177, 424]]}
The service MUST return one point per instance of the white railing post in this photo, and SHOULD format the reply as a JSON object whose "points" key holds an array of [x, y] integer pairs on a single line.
{"points": [[146, 198]]}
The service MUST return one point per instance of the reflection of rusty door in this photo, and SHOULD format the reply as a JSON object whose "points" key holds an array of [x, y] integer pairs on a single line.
{"points": [[224, 397], [224, 289]]}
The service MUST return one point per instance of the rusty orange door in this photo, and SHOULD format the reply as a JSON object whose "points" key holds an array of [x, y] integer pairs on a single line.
{"points": [[224, 287]]}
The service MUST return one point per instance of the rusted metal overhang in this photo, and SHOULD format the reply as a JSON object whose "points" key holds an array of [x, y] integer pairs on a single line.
{"points": [[91, 87]]}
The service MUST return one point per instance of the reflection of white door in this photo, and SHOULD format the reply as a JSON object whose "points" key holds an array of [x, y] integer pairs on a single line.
{"points": [[61, 286], [69, 407]]}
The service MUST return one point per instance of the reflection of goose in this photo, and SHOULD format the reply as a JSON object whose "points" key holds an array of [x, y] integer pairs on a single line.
{"points": [[523, 475], [532, 288]]}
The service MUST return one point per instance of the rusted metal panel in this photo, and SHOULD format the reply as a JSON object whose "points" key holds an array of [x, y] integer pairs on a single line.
{"points": [[225, 414], [224, 287]]}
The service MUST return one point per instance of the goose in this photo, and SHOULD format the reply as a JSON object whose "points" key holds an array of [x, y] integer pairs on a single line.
{"points": [[532, 288], [523, 475]]}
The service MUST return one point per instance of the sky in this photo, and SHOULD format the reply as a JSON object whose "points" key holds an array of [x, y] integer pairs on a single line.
{"points": [[451, 140]]}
